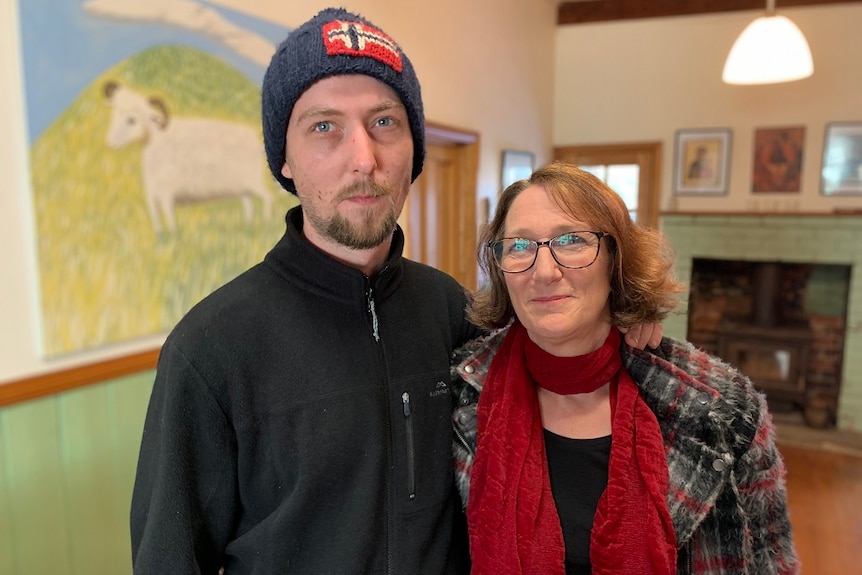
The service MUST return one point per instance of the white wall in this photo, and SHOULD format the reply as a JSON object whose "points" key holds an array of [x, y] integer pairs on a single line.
{"points": [[484, 66], [643, 80]]}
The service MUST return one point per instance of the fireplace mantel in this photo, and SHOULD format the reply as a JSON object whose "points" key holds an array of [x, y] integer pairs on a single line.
{"points": [[827, 238], [850, 212]]}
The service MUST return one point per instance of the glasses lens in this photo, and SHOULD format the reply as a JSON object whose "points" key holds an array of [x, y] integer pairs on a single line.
{"points": [[575, 249], [514, 254]]}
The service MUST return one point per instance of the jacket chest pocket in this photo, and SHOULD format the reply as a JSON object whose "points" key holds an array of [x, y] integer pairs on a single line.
{"points": [[421, 432]]}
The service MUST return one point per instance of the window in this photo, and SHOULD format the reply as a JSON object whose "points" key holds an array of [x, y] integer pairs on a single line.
{"points": [[631, 170], [623, 179]]}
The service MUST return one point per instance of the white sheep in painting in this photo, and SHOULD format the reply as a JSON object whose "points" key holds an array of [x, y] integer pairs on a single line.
{"points": [[187, 159]]}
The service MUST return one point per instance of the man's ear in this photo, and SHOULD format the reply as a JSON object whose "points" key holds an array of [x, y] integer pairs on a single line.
{"points": [[285, 171]]}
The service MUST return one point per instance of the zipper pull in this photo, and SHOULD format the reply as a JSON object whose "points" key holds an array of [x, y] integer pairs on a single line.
{"points": [[373, 313], [405, 400]]}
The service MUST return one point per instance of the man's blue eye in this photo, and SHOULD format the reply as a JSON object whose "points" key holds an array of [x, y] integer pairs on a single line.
{"points": [[322, 127], [384, 122]]}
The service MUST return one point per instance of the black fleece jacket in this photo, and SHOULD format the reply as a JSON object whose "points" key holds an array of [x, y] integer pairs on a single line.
{"points": [[300, 422]]}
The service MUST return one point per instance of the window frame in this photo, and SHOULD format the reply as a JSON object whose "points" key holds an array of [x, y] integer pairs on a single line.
{"points": [[647, 155]]}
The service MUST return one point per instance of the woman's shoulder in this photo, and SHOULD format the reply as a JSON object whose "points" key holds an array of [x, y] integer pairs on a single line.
{"points": [[680, 377], [688, 363]]}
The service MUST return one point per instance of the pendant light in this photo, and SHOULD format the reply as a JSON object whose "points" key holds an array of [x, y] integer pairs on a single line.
{"points": [[770, 50]]}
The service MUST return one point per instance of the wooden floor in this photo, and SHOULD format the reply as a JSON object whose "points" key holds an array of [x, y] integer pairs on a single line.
{"points": [[824, 490]]}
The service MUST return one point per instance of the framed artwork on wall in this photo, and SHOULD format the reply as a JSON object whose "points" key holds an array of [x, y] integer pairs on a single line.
{"points": [[701, 161], [517, 165], [121, 253], [777, 164], [842, 159]]}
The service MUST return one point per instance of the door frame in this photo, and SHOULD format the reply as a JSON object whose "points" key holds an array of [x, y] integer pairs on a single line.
{"points": [[463, 224]]}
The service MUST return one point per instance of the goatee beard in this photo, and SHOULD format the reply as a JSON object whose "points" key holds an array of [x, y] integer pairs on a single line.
{"points": [[374, 229]]}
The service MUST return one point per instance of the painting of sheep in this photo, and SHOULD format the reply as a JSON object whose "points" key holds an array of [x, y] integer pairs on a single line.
{"points": [[187, 159], [148, 183]]}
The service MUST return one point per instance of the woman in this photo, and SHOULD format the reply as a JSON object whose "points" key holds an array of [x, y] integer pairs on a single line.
{"points": [[592, 456]]}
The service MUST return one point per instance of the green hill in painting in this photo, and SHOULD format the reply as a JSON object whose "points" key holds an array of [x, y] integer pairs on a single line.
{"points": [[105, 275]]}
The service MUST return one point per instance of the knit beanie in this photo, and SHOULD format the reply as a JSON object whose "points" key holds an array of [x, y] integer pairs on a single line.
{"points": [[334, 42]]}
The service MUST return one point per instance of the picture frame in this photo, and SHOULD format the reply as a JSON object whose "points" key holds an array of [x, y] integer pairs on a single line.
{"points": [[516, 165], [702, 161], [841, 173], [777, 162]]}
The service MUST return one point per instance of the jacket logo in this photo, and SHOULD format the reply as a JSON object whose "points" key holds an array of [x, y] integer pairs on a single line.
{"points": [[361, 40], [440, 388]]}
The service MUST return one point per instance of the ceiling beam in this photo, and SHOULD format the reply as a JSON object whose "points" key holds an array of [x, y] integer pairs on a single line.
{"points": [[583, 11]]}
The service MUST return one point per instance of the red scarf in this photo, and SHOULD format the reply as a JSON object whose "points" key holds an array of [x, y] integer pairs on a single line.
{"points": [[512, 517]]}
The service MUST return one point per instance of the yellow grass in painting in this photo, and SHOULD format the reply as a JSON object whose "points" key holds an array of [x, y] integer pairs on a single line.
{"points": [[105, 275]]}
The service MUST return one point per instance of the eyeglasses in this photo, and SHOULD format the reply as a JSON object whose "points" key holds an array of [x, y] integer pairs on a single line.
{"points": [[571, 250]]}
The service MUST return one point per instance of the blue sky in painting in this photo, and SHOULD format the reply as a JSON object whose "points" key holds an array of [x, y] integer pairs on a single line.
{"points": [[64, 49]]}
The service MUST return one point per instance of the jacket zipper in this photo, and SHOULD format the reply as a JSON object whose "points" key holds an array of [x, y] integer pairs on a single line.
{"points": [[686, 564], [462, 440], [375, 332], [411, 455], [390, 503]]}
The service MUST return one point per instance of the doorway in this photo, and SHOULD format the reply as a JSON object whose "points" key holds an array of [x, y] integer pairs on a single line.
{"points": [[439, 216]]}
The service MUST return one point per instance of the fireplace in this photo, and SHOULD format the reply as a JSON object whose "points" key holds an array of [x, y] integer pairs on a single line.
{"points": [[763, 317], [824, 294]]}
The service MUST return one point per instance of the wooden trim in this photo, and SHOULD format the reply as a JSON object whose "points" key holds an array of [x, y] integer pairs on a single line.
{"points": [[585, 11], [440, 133], [72, 378], [834, 214]]}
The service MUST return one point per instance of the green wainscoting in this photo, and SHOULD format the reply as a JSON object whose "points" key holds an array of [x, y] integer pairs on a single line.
{"points": [[67, 465]]}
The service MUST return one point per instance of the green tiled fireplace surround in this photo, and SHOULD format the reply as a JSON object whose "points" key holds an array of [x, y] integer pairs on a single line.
{"points": [[796, 238]]}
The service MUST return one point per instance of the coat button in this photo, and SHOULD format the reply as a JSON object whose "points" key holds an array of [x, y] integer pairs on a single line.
{"points": [[703, 398], [469, 369], [462, 418], [719, 465]]}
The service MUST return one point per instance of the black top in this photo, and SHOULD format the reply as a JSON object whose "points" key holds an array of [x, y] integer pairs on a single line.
{"points": [[579, 475]]}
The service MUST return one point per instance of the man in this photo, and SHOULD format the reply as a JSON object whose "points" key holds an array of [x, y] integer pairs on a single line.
{"points": [[300, 420]]}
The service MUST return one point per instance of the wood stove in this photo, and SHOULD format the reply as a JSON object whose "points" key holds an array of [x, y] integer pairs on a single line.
{"points": [[773, 355], [774, 358]]}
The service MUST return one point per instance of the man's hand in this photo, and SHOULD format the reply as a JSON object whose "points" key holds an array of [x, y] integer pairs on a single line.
{"points": [[642, 335]]}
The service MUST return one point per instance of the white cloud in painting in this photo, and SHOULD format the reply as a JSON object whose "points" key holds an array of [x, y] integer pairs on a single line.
{"points": [[189, 15]]}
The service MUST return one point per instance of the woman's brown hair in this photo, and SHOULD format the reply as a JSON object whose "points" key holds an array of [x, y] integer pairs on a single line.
{"points": [[640, 266]]}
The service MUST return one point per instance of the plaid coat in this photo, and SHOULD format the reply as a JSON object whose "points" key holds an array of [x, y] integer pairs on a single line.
{"points": [[726, 497]]}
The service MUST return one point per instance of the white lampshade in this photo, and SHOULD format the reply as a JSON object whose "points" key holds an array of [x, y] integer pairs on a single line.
{"points": [[771, 49]]}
